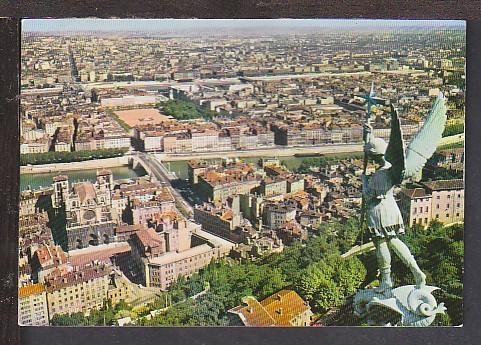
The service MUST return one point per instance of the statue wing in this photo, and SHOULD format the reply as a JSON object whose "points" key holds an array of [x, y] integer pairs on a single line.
{"points": [[395, 148], [422, 147]]}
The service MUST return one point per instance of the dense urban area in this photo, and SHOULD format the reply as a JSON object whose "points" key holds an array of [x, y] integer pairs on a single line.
{"points": [[240, 241]]}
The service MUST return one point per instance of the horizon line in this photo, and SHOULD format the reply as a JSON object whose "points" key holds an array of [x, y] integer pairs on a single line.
{"points": [[91, 24]]}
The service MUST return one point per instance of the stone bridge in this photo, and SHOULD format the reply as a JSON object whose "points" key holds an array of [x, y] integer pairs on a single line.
{"points": [[152, 166], [159, 172]]}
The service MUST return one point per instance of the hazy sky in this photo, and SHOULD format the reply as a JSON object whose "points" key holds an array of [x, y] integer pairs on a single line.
{"points": [[234, 25]]}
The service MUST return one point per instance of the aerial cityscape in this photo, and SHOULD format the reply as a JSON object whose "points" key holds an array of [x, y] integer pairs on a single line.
{"points": [[216, 172]]}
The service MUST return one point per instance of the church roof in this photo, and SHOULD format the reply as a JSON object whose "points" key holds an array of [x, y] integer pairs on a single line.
{"points": [[85, 191]]}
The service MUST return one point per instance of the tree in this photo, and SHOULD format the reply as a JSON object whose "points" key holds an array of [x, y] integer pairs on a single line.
{"points": [[75, 319], [272, 281], [310, 282], [349, 274], [439, 252], [208, 310], [327, 295], [179, 315]]}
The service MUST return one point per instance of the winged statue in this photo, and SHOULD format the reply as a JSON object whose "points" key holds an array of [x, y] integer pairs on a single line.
{"points": [[395, 164]]}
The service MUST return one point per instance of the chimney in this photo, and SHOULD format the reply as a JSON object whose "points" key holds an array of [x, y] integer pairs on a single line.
{"points": [[280, 310], [279, 297]]}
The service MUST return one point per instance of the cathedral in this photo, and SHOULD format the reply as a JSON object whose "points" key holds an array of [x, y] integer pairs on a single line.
{"points": [[88, 209]]}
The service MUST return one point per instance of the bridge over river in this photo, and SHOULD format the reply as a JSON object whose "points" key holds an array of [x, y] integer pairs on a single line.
{"points": [[158, 171]]}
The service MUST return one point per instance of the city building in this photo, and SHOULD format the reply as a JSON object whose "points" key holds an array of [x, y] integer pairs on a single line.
{"points": [[282, 309], [441, 200], [160, 265], [32, 305], [76, 291]]}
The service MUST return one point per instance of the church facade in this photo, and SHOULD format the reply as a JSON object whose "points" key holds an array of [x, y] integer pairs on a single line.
{"points": [[88, 209]]}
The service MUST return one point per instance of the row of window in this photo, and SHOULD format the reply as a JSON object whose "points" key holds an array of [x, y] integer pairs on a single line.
{"points": [[420, 220], [426, 209]]}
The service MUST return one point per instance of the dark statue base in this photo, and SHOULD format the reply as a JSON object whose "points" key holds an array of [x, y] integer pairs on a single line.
{"points": [[401, 306]]}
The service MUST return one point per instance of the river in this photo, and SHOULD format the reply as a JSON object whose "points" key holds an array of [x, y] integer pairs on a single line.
{"points": [[179, 167], [44, 180], [290, 162]]}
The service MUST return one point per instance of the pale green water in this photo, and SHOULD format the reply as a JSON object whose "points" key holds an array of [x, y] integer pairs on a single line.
{"points": [[44, 180], [180, 167], [290, 162]]}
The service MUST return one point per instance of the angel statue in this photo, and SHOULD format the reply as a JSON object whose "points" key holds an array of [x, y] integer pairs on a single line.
{"points": [[395, 165]]}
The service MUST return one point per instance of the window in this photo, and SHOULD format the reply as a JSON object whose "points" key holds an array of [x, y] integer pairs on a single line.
{"points": [[426, 209], [458, 205], [447, 215], [437, 216], [415, 209], [437, 197], [449, 196], [437, 206]]}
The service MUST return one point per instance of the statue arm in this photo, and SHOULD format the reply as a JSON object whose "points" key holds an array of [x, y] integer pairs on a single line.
{"points": [[367, 192], [368, 133]]}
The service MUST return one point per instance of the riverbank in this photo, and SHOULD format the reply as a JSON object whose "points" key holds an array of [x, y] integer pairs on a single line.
{"points": [[451, 140], [42, 180], [89, 164], [268, 152]]}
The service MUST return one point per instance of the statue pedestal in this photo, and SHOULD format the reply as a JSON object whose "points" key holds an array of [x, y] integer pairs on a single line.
{"points": [[402, 306]]}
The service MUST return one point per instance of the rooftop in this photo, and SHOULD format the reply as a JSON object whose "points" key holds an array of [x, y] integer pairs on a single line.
{"points": [[175, 256], [50, 255], [85, 191], [445, 184], [55, 281], [149, 238], [276, 310], [31, 289]]}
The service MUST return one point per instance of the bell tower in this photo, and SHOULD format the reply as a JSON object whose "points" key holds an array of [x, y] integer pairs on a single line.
{"points": [[60, 191]]}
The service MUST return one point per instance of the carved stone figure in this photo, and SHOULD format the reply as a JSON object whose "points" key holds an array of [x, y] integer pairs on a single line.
{"points": [[384, 220]]}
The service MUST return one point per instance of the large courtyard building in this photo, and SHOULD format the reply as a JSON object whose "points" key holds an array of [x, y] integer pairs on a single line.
{"points": [[162, 256]]}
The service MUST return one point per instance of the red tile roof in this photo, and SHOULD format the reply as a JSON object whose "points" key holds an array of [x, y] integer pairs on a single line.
{"points": [[50, 256], [414, 192], [58, 279], [445, 184], [276, 310], [149, 238], [31, 289]]}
